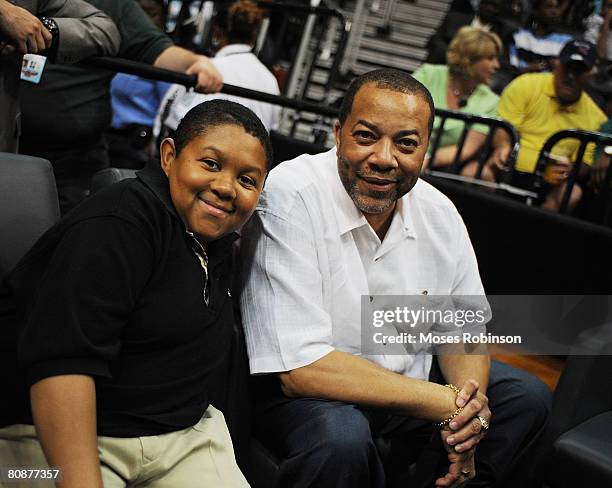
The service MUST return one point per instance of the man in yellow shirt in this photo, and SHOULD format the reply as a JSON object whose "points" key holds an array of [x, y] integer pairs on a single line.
{"points": [[541, 104]]}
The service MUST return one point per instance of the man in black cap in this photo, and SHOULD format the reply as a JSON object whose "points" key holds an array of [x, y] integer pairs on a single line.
{"points": [[540, 104]]}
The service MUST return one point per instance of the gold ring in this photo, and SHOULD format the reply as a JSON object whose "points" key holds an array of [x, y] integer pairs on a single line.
{"points": [[483, 423]]}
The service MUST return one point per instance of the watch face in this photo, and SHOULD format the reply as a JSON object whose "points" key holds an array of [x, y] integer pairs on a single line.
{"points": [[608, 150], [50, 24]]}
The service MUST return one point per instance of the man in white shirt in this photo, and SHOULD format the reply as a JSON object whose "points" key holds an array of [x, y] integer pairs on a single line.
{"points": [[238, 66], [235, 28], [357, 221]]}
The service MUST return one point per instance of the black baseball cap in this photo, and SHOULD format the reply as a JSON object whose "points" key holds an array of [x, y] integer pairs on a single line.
{"points": [[579, 52]]}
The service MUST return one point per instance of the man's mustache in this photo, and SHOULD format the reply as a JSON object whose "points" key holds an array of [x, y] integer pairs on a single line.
{"points": [[382, 176]]}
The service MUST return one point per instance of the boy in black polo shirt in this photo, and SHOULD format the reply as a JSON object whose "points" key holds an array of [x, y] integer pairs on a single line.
{"points": [[127, 317]]}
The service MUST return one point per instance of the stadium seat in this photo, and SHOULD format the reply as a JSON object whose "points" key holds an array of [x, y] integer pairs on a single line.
{"points": [[28, 205], [576, 449], [108, 176]]}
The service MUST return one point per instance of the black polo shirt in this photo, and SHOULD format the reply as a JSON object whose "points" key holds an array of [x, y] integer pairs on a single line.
{"points": [[115, 291]]}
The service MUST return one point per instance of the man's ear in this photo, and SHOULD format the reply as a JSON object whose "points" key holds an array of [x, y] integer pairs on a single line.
{"points": [[167, 154], [337, 129]]}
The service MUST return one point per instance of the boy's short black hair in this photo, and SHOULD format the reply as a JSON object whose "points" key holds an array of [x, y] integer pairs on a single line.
{"points": [[219, 112]]}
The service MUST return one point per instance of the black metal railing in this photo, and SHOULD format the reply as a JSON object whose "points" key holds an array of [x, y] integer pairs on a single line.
{"points": [[468, 121], [585, 138], [147, 71], [152, 73]]}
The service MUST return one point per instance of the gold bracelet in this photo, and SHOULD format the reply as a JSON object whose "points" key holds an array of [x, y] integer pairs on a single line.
{"points": [[454, 388], [455, 413]]}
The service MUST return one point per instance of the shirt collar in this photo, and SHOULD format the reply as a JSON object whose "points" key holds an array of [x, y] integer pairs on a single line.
{"points": [[155, 180], [349, 217], [233, 49]]}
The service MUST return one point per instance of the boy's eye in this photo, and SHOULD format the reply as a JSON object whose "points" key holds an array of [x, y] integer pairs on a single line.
{"points": [[211, 163], [247, 180]]}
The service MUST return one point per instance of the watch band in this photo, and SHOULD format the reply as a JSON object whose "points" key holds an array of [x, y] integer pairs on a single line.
{"points": [[53, 29]]}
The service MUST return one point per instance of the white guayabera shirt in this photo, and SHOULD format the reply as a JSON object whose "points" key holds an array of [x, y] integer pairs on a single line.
{"points": [[309, 255]]}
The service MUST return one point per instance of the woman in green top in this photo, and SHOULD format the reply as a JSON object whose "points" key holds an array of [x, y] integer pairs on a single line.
{"points": [[462, 84]]}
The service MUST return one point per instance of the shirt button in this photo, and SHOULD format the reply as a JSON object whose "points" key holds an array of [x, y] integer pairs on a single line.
{"points": [[424, 292], [371, 298]]}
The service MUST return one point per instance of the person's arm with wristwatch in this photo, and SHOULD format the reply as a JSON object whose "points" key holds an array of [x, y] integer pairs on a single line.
{"points": [[84, 30], [78, 30]]}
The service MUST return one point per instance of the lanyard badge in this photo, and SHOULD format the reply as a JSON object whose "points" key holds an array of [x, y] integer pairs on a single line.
{"points": [[32, 67]]}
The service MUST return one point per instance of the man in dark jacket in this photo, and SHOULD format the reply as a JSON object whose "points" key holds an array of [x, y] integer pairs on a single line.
{"points": [[83, 29], [66, 115]]}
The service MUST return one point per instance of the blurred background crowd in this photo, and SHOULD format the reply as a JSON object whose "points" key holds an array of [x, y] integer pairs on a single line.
{"points": [[541, 65]]}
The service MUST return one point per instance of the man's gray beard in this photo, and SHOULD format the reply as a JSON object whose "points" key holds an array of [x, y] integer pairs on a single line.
{"points": [[353, 192], [373, 208]]}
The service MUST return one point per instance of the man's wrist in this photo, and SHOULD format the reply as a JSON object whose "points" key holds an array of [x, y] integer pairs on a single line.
{"points": [[444, 423]]}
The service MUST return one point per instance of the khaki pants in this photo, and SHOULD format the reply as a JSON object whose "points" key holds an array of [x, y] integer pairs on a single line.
{"points": [[199, 456]]}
